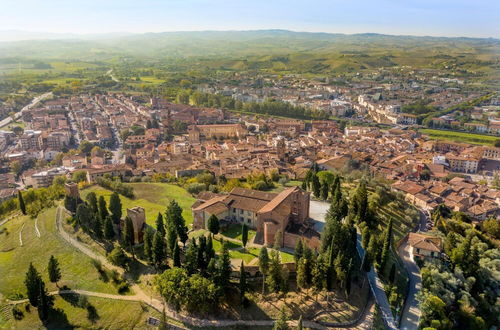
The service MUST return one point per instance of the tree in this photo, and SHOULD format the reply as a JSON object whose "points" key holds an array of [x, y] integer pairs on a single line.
{"points": [[281, 322], [278, 239], [32, 283], [115, 206], [224, 269], [191, 259], [392, 273], [103, 209], [171, 236], [54, 270], [70, 203], [170, 284], [159, 250], [175, 218], [302, 273], [276, 280], [244, 235], [84, 216], [109, 230], [92, 202], [316, 186], [128, 233], [386, 247], [118, 257], [209, 250], [44, 302], [263, 265], [324, 190], [243, 282], [20, 198], [159, 224], [298, 252], [213, 224], [177, 256], [148, 245], [97, 227]]}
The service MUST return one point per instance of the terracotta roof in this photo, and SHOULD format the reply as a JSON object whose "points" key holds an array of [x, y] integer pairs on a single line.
{"points": [[425, 242], [277, 200]]}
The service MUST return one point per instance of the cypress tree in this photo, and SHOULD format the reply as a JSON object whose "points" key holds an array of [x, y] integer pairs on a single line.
{"points": [[316, 186], [97, 227], [20, 198], [200, 255], [159, 224], [298, 252], [103, 209], [177, 256], [213, 224], [159, 255], [115, 206], [263, 265], [224, 270], [128, 234], [171, 236], [92, 202], [44, 302], [148, 245], [32, 283], [54, 270], [243, 283], [109, 230], [209, 250], [244, 235], [191, 261], [386, 247], [392, 273], [324, 190]]}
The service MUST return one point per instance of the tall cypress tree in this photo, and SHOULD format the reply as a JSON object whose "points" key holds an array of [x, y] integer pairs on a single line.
{"points": [[109, 230], [54, 270], [386, 247], [299, 250], [209, 250], [159, 251], [115, 206], [177, 256], [92, 202], [243, 282], [148, 245], [160, 226], [263, 265], [224, 269], [103, 209], [128, 234], [20, 198], [44, 302], [316, 186], [32, 283], [244, 235], [324, 190]]}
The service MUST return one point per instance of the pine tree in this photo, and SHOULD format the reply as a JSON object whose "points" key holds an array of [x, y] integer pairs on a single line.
{"points": [[319, 274], [20, 198], [160, 225], [171, 236], [54, 270], [244, 235], [109, 230], [281, 323], [177, 256], [200, 255], [92, 202], [243, 282], [32, 283], [263, 265], [386, 247], [301, 273], [115, 206], [299, 250], [224, 269], [316, 186], [159, 254], [148, 245], [174, 216], [213, 224], [103, 209]]}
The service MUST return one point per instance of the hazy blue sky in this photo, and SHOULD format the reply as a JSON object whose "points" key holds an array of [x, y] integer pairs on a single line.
{"points": [[416, 17]]}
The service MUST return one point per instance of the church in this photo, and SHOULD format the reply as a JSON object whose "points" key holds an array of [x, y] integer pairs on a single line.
{"points": [[270, 214]]}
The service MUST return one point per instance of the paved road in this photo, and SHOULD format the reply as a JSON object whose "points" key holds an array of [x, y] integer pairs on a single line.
{"points": [[378, 292], [17, 115], [410, 317]]}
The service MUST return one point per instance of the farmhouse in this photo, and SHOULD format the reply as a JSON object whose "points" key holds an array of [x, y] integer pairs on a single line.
{"points": [[270, 214]]}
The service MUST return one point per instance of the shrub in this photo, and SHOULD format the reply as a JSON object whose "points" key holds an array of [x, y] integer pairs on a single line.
{"points": [[123, 288], [17, 313], [195, 188]]}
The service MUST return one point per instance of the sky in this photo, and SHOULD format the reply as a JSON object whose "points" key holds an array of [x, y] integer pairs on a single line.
{"points": [[471, 18]]}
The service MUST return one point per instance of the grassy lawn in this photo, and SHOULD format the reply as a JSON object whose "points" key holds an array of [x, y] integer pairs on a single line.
{"points": [[235, 230], [279, 187], [68, 314], [10, 126], [76, 268], [466, 137], [153, 197]]}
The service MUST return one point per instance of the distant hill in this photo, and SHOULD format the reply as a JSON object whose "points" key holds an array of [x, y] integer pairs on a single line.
{"points": [[232, 43]]}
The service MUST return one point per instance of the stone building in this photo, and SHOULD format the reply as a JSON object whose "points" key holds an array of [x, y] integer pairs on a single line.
{"points": [[270, 214], [71, 189], [200, 132], [138, 216]]}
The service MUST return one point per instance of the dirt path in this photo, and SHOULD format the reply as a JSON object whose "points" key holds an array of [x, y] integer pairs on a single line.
{"points": [[36, 228], [21, 234], [140, 295]]}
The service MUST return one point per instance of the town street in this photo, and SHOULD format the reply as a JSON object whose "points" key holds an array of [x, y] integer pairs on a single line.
{"points": [[17, 115]]}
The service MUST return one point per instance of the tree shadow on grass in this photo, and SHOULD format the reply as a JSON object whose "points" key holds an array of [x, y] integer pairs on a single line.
{"points": [[92, 314], [58, 320]]}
